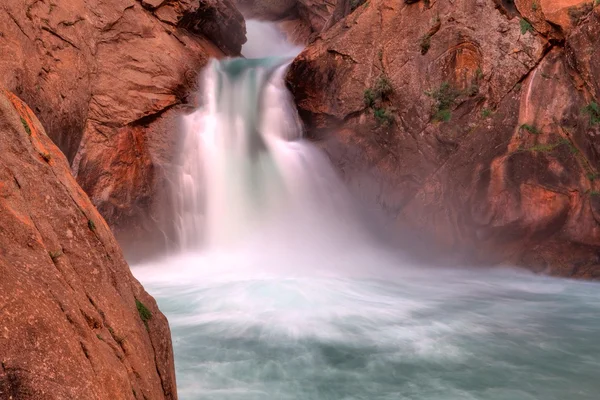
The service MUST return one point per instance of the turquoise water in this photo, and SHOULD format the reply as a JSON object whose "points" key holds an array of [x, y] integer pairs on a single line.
{"points": [[431, 334]]}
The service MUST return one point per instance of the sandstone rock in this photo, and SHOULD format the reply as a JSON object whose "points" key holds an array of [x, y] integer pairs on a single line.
{"points": [[70, 326], [100, 73], [316, 12], [267, 9], [511, 176]]}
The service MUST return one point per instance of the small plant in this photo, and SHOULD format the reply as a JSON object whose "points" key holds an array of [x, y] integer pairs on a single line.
{"points": [[383, 116], [592, 176], [54, 255], [486, 112], [91, 225], [530, 129], [525, 26], [145, 314], [26, 126], [100, 337], [373, 98], [593, 110], [369, 97], [596, 3], [518, 86], [383, 87], [46, 156], [445, 96], [535, 6], [594, 193]]}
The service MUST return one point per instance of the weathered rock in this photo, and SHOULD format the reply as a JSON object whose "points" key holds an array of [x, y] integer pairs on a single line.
{"points": [[316, 12], [70, 326], [100, 73], [267, 9], [301, 18], [511, 176]]}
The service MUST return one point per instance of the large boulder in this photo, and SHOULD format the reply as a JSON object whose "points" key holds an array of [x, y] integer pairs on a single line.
{"points": [[473, 128], [102, 75], [74, 322]]}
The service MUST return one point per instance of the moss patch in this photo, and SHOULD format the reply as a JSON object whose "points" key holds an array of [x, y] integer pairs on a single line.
{"points": [[145, 314]]}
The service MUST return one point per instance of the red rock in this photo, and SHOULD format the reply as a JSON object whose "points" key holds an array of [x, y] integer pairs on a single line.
{"points": [[100, 73], [69, 326], [511, 178]]}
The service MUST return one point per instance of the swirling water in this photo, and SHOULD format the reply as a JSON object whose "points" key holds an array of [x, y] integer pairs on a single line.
{"points": [[277, 291], [247, 325]]}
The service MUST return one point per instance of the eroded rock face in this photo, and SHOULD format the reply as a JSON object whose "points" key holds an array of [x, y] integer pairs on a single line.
{"points": [[70, 325], [100, 74], [477, 128], [300, 19]]}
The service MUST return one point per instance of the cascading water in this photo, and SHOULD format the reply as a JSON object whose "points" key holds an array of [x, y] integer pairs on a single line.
{"points": [[278, 293]]}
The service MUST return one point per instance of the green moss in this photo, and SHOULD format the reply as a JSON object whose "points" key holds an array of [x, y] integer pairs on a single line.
{"points": [[530, 129], [535, 6], [594, 193], [525, 26], [544, 148], [54, 255], [593, 110], [91, 225], [100, 337], [592, 176], [486, 112], [26, 126], [145, 314]]}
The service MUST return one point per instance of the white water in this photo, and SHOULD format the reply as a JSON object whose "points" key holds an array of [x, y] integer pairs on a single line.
{"points": [[279, 292]]}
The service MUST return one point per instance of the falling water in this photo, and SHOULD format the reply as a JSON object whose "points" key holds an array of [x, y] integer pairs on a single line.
{"points": [[279, 291]]}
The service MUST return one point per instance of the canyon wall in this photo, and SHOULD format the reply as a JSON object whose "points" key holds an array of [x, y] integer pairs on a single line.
{"points": [[74, 322], [108, 80], [473, 124]]}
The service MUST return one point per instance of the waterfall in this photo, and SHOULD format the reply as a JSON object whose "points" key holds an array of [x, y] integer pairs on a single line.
{"points": [[246, 169], [277, 290]]}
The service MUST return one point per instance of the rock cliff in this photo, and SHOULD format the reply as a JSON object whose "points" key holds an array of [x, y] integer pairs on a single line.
{"points": [[474, 124], [108, 79], [74, 322]]}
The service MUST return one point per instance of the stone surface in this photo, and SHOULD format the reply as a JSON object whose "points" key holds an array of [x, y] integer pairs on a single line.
{"points": [[100, 73], [470, 131], [69, 323]]}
